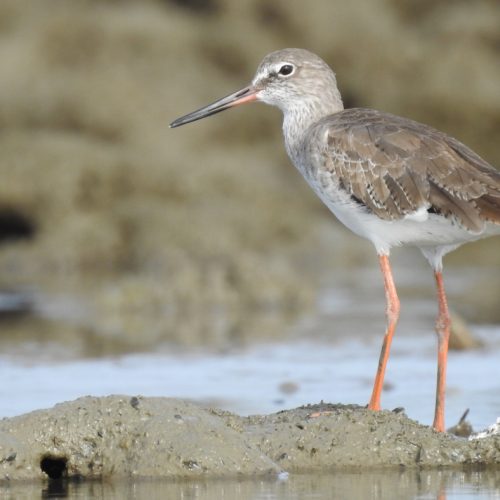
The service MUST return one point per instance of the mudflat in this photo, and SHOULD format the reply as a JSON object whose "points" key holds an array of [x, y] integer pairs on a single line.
{"points": [[124, 437]]}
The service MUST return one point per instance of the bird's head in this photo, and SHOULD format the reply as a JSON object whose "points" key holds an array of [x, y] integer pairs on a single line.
{"points": [[288, 79]]}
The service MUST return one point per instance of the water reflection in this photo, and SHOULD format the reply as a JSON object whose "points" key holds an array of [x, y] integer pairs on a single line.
{"points": [[386, 485]]}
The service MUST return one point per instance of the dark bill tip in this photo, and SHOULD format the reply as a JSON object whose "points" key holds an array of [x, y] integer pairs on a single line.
{"points": [[247, 94]]}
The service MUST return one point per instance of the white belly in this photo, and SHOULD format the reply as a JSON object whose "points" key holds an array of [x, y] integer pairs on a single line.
{"points": [[420, 229]]}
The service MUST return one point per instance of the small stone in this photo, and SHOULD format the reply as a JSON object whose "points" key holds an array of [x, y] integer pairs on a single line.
{"points": [[288, 387]]}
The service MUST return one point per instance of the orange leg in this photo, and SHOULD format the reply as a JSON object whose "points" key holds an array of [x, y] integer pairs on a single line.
{"points": [[443, 331], [392, 319]]}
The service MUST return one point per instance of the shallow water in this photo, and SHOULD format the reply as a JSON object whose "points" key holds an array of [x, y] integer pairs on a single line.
{"points": [[269, 378], [386, 485]]}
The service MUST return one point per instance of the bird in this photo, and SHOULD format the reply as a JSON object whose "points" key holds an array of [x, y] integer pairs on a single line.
{"points": [[389, 179]]}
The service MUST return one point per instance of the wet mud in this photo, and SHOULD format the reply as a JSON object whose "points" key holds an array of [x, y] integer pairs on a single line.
{"points": [[136, 437]]}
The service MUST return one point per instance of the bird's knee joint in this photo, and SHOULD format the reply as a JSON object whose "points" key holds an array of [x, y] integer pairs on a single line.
{"points": [[443, 325], [393, 311]]}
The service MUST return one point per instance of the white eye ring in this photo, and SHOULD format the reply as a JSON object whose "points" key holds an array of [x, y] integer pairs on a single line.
{"points": [[286, 69]]}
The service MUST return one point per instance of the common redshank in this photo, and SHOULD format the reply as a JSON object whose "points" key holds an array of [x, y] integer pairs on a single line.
{"points": [[389, 179]]}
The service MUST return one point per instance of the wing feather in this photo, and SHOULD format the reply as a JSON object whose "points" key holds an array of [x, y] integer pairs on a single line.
{"points": [[395, 166]]}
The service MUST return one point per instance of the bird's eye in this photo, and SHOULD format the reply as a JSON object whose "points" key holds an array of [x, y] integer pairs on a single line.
{"points": [[286, 69]]}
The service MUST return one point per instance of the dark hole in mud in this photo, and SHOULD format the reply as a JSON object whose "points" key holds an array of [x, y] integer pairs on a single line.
{"points": [[14, 225], [54, 467]]}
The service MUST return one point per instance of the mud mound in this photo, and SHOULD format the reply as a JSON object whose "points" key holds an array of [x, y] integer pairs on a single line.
{"points": [[120, 436]]}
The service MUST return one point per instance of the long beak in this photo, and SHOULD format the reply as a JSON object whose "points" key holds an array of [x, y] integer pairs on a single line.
{"points": [[247, 94]]}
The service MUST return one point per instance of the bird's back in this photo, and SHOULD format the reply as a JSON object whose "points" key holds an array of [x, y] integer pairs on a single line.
{"points": [[395, 167]]}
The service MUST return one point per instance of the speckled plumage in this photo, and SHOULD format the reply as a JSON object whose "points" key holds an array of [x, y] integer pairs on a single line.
{"points": [[395, 166]]}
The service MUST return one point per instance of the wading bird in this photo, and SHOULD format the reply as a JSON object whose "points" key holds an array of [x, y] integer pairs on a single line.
{"points": [[389, 179]]}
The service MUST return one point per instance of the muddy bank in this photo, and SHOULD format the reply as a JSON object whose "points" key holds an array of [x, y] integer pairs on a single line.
{"points": [[122, 436]]}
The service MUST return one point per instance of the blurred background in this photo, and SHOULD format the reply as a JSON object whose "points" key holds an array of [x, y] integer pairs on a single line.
{"points": [[119, 235]]}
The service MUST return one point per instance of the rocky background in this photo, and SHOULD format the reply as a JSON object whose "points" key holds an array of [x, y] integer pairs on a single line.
{"points": [[113, 225]]}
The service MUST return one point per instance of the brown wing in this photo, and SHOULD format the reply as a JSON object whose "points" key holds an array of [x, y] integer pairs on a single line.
{"points": [[394, 166]]}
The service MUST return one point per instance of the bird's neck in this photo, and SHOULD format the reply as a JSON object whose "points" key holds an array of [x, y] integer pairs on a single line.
{"points": [[298, 119]]}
